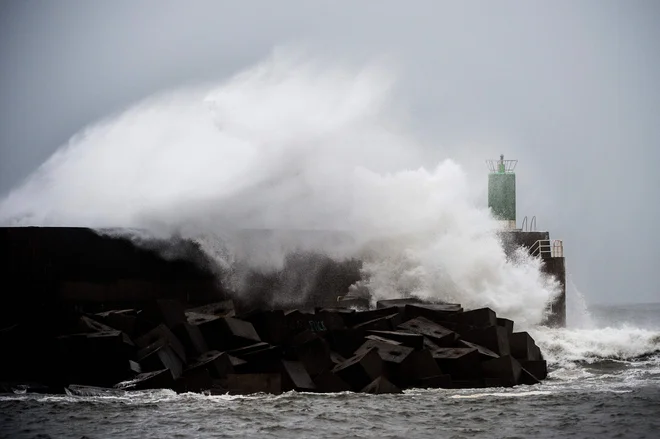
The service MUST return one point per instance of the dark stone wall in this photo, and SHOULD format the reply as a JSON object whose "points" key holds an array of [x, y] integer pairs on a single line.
{"points": [[51, 265], [557, 267]]}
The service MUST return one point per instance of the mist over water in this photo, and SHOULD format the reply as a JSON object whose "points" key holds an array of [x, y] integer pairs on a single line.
{"points": [[293, 143]]}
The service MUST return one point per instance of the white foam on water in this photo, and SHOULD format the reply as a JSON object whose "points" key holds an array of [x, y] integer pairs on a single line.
{"points": [[503, 394], [563, 347], [293, 143]]}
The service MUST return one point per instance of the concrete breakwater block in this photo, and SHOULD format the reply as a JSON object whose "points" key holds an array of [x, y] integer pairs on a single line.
{"points": [[210, 348], [494, 338], [124, 320], [224, 333], [295, 377], [410, 339], [436, 313], [192, 339], [502, 372], [459, 363], [385, 323], [360, 370], [523, 347], [434, 332], [162, 332], [538, 368], [381, 385], [160, 355], [218, 364]]}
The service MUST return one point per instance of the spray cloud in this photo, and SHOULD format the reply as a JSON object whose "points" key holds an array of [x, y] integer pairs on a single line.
{"points": [[292, 144]]}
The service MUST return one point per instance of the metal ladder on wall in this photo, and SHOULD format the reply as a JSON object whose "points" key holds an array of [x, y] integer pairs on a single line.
{"points": [[532, 225]]}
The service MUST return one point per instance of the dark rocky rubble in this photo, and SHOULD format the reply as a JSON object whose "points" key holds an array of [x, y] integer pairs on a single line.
{"points": [[399, 345]]}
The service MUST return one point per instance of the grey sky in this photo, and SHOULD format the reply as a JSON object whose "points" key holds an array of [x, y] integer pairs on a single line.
{"points": [[569, 88]]}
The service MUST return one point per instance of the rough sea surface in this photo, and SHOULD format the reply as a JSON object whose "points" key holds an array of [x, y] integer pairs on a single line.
{"points": [[604, 383]]}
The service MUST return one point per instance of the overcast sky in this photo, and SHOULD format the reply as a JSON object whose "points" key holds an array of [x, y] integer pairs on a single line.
{"points": [[569, 88]]}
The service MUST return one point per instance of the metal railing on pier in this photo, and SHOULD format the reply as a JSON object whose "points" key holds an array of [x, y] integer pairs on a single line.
{"points": [[547, 248]]}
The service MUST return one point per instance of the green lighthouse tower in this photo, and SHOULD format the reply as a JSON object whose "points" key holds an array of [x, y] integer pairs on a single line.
{"points": [[502, 191]]}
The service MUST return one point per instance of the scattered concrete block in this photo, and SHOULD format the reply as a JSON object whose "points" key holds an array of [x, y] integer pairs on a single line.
{"points": [[419, 365], [242, 352], [266, 360], [523, 347], [162, 332], [398, 303], [506, 323], [538, 368], [166, 311], [224, 333], [160, 355], [191, 338], [217, 363], [479, 318], [314, 354], [395, 359], [381, 385], [328, 321], [527, 378], [242, 384], [328, 382], [274, 351], [439, 313], [360, 370], [410, 339], [124, 320], [386, 323], [336, 358], [506, 370], [485, 354], [436, 333], [385, 340], [88, 325], [460, 363], [356, 318], [494, 338], [296, 322], [271, 326], [236, 362], [345, 341], [295, 377], [388, 352]]}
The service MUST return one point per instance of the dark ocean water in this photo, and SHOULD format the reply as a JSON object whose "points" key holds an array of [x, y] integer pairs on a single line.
{"points": [[604, 383]]}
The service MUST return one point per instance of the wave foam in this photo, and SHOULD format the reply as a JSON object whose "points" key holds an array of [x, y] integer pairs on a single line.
{"points": [[561, 347]]}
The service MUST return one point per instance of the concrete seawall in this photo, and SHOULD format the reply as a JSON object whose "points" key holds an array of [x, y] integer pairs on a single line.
{"points": [[78, 266], [93, 271]]}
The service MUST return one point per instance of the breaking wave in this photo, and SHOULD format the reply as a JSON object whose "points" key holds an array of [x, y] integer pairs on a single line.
{"points": [[568, 347], [292, 144]]}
